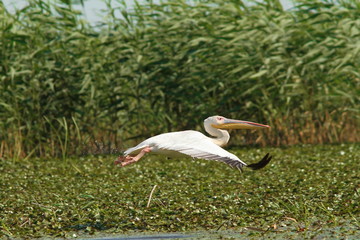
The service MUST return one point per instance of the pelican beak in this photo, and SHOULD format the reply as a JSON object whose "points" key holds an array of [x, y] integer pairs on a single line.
{"points": [[239, 124]]}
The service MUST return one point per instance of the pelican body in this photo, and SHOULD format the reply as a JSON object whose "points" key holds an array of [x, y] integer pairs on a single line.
{"points": [[196, 145]]}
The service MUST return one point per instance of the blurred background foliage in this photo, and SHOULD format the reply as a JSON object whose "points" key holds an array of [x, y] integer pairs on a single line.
{"points": [[71, 88]]}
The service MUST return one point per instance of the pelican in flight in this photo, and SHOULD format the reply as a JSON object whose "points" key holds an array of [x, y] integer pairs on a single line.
{"points": [[196, 145]]}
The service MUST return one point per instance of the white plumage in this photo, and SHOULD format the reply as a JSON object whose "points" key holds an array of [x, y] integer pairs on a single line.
{"points": [[189, 143], [195, 144]]}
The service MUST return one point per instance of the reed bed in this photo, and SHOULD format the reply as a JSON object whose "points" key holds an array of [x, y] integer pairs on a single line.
{"points": [[68, 87]]}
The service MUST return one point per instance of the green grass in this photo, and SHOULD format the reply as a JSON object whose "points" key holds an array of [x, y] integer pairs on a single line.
{"points": [[304, 190]]}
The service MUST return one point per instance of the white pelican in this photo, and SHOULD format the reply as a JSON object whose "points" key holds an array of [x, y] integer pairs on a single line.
{"points": [[195, 144]]}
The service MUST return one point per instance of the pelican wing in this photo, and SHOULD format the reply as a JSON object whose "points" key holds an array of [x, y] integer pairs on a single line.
{"points": [[216, 153], [196, 145]]}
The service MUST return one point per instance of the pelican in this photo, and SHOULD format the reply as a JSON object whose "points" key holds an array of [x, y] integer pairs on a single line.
{"points": [[196, 145]]}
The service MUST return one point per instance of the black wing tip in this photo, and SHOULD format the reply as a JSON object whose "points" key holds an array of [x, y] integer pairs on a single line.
{"points": [[259, 165]]}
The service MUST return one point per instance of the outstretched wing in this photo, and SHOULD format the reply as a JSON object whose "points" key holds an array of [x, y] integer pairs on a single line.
{"points": [[214, 153], [194, 144]]}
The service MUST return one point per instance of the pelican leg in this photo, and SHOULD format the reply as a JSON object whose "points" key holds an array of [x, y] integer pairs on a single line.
{"points": [[129, 159], [122, 159]]}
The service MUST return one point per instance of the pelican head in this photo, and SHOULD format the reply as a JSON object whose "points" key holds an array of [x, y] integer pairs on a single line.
{"points": [[224, 123]]}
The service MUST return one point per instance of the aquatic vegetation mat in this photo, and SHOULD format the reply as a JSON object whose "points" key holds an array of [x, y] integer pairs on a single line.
{"points": [[306, 191]]}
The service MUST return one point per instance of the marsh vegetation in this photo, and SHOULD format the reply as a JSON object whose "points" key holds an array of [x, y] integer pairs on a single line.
{"points": [[72, 95], [68, 87], [306, 191]]}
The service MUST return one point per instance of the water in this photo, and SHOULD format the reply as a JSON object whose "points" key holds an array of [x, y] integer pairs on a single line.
{"points": [[147, 237], [348, 232]]}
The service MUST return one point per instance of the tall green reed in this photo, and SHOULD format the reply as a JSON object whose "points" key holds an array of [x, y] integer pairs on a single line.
{"points": [[66, 85]]}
